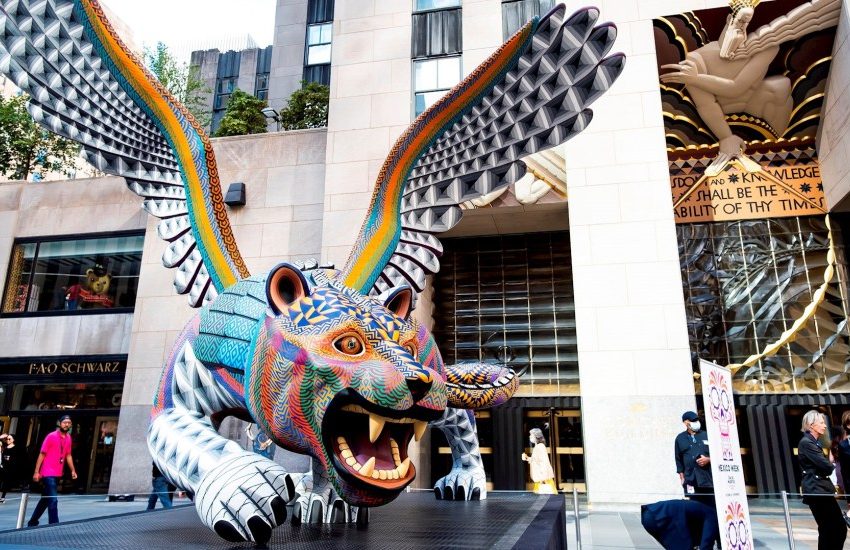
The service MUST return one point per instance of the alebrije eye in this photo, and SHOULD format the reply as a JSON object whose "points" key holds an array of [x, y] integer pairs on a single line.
{"points": [[411, 349], [349, 344]]}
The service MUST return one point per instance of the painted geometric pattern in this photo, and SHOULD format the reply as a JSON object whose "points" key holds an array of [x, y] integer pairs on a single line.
{"points": [[479, 385], [84, 84], [532, 94], [467, 480], [228, 324]]}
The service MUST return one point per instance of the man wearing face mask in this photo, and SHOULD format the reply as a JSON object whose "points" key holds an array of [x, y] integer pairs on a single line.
{"points": [[693, 462]]}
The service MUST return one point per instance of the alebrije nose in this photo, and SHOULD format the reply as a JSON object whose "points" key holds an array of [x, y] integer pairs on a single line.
{"points": [[419, 384]]}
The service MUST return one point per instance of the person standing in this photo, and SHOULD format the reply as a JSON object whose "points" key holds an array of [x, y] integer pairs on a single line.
{"points": [[11, 464], [49, 467], [161, 489], [818, 489], [693, 462], [843, 458]]}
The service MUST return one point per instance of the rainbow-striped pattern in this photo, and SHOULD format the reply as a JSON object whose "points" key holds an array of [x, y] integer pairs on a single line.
{"points": [[191, 147], [381, 229]]}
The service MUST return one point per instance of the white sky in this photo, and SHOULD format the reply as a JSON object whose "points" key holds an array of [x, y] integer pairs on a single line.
{"points": [[181, 22]]}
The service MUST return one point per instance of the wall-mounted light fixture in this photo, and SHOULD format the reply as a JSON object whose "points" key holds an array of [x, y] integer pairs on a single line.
{"points": [[235, 195], [271, 114]]}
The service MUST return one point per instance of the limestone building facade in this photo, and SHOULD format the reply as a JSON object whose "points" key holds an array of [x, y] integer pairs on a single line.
{"points": [[576, 277]]}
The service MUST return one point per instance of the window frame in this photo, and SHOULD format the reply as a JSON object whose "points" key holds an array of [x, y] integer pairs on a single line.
{"points": [[37, 240], [307, 44], [436, 59], [457, 7]]}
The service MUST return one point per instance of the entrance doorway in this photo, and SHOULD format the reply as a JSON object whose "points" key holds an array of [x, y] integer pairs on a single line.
{"points": [[93, 447], [102, 451], [562, 430]]}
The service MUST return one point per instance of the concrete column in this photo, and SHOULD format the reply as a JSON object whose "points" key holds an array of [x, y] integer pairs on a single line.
{"points": [[833, 140], [247, 81], [370, 106], [290, 35], [634, 361]]}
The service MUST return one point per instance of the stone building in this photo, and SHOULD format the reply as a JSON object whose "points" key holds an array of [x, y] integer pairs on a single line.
{"points": [[583, 278]]}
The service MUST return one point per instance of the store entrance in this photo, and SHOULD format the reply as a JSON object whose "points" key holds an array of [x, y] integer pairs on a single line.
{"points": [[92, 449], [562, 430]]}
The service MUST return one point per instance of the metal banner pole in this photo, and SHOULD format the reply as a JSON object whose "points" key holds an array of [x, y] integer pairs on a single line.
{"points": [[575, 512], [788, 529]]}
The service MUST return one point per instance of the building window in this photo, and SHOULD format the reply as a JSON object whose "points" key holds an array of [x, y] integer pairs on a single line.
{"points": [[319, 44], [747, 282], [224, 87], [516, 13], [58, 274], [432, 78], [436, 33], [426, 5], [436, 45], [261, 86], [509, 300], [318, 56]]}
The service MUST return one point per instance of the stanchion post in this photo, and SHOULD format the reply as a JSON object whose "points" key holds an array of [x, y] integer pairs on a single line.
{"points": [[22, 509], [577, 518], [788, 528]]}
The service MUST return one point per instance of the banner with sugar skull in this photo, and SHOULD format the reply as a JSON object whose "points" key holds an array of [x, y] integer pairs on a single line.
{"points": [[730, 493]]}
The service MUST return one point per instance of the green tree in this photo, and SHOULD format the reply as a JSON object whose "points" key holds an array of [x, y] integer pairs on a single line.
{"points": [[183, 81], [307, 107], [26, 148], [243, 115]]}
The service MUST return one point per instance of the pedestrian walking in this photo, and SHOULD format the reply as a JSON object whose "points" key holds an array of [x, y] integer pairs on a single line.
{"points": [[12, 459], [818, 489], [541, 469], [161, 489], [49, 467]]}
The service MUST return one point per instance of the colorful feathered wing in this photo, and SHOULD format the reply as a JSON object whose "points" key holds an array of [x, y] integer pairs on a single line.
{"points": [[86, 85], [530, 95]]}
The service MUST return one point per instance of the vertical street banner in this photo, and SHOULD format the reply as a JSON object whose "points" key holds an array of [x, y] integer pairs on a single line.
{"points": [[733, 514]]}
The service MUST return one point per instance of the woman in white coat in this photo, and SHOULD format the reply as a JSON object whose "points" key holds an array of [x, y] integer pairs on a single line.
{"points": [[541, 469]]}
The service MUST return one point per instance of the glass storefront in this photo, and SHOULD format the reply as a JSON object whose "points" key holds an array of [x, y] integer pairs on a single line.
{"points": [[508, 299], [36, 392], [74, 274], [747, 282]]}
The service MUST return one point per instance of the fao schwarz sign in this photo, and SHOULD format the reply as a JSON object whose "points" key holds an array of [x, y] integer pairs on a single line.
{"points": [[64, 368], [74, 367]]}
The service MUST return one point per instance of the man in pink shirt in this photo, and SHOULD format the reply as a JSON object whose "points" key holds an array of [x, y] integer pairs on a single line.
{"points": [[55, 453]]}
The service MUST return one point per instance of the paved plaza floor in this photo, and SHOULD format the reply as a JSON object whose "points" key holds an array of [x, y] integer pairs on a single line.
{"points": [[599, 529]]}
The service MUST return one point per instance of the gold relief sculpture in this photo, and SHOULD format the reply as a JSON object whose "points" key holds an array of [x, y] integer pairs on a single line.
{"points": [[763, 280], [729, 75]]}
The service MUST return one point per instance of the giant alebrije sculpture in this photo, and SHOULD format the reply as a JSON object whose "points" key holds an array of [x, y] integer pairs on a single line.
{"points": [[327, 362]]}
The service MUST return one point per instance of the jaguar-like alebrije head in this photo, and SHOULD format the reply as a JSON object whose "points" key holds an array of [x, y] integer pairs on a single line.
{"points": [[346, 378]]}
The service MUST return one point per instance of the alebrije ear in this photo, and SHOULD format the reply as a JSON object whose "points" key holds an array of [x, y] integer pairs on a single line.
{"points": [[400, 301], [285, 285]]}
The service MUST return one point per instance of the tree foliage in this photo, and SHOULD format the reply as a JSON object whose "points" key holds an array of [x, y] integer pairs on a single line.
{"points": [[243, 115], [307, 107], [26, 148], [183, 81]]}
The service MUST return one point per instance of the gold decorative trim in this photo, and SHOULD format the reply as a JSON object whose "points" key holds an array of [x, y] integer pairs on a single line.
{"points": [[806, 102]]}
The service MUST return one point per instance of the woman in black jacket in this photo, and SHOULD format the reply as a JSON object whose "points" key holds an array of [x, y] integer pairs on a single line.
{"points": [[818, 489], [12, 459]]}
